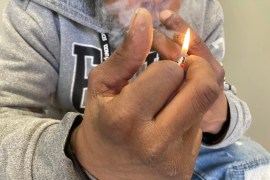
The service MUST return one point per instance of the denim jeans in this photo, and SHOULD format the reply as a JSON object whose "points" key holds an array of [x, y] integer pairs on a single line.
{"points": [[245, 159]]}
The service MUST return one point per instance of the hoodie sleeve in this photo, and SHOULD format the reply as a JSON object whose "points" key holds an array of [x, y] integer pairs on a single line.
{"points": [[213, 33], [31, 144]]}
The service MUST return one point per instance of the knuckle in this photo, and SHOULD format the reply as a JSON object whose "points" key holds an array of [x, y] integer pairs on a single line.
{"points": [[93, 73], [155, 145], [98, 81], [157, 35], [208, 91], [94, 78], [118, 125], [124, 119], [153, 153], [217, 69], [179, 38], [97, 74], [174, 21]]}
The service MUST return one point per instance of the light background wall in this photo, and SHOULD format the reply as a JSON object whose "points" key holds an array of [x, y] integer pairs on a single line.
{"points": [[2, 4], [247, 61]]}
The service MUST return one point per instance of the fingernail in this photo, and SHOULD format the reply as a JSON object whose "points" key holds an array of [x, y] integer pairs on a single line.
{"points": [[141, 20], [135, 15], [165, 14]]}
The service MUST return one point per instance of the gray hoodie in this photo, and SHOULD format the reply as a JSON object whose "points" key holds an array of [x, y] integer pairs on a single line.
{"points": [[47, 50]]}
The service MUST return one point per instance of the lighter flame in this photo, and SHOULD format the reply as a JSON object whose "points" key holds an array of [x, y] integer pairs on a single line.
{"points": [[185, 44]]}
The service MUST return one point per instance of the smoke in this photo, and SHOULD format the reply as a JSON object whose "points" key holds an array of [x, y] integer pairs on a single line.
{"points": [[121, 15], [122, 12]]}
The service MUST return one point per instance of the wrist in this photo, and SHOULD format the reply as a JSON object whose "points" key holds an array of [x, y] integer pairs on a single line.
{"points": [[210, 138], [214, 119], [69, 151], [106, 161], [214, 127], [96, 159]]}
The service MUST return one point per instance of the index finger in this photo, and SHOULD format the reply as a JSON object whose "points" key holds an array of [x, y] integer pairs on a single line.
{"points": [[193, 99], [197, 47], [174, 22]]}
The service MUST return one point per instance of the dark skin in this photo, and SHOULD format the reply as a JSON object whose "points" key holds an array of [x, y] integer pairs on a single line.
{"points": [[148, 128], [153, 6], [215, 117]]}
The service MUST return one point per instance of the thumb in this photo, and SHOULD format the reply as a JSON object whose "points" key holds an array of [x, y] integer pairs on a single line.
{"points": [[129, 57]]}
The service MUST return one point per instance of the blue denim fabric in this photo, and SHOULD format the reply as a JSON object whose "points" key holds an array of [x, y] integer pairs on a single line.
{"points": [[232, 162]]}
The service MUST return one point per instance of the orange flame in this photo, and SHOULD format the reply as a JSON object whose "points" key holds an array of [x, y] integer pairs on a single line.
{"points": [[185, 44]]}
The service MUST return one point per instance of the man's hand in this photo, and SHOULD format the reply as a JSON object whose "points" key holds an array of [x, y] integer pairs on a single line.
{"points": [[147, 128], [169, 49]]}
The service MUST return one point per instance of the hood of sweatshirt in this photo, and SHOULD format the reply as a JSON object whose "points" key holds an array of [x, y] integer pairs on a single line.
{"points": [[83, 12]]}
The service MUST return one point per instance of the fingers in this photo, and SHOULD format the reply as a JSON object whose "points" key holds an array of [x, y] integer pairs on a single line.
{"points": [[174, 22], [150, 91], [128, 113], [195, 97], [166, 47], [197, 46], [114, 73]]}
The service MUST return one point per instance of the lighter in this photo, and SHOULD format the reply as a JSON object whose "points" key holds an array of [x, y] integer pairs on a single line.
{"points": [[183, 55]]}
